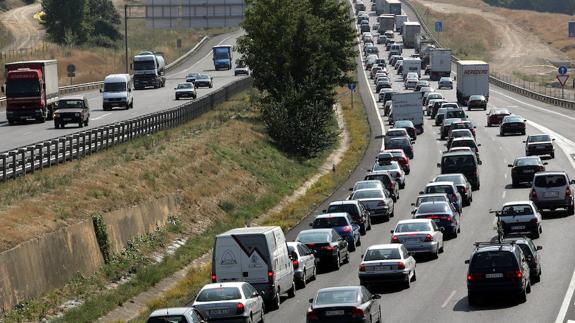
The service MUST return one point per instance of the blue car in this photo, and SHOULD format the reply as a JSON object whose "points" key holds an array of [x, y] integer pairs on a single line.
{"points": [[342, 224]]}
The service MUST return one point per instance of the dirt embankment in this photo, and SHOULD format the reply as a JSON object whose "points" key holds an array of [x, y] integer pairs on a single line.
{"points": [[25, 29]]}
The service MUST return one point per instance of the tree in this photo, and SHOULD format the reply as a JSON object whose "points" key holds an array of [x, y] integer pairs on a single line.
{"points": [[63, 15], [298, 51]]}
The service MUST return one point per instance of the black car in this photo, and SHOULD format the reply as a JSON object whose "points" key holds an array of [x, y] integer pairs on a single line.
{"points": [[382, 85], [388, 182], [477, 102], [461, 183], [461, 162], [443, 214], [408, 126], [531, 252], [192, 77], [358, 212], [436, 107], [541, 144], [328, 246], [350, 304], [402, 143], [524, 168], [512, 124], [495, 269]]}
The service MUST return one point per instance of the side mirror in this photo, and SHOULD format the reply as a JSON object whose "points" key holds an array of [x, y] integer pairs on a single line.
{"points": [[509, 165], [175, 88], [467, 261], [412, 204], [539, 247], [438, 165], [129, 90], [375, 296], [553, 139], [421, 192], [545, 163], [523, 141], [391, 231], [479, 162], [524, 120], [101, 90], [572, 181], [487, 114], [323, 211], [310, 300], [311, 224], [478, 145]]}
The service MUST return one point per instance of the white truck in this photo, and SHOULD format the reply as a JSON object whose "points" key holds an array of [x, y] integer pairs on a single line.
{"points": [[386, 22], [392, 7], [411, 65], [440, 60], [411, 31], [379, 6], [407, 106], [472, 79], [399, 21]]}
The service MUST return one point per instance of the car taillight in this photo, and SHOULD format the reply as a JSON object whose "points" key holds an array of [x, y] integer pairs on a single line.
{"points": [[214, 278], [362, 267], [533, 194], [347, 228], [473, 277], [401, 265], [446, 217], [271, 276], [239, 308], [514, 275], [295, 264], [567, 192], [395, 239], [541, 168], [312, 315], [428, 238], [392, 185], [356, 312], [328, 248]]}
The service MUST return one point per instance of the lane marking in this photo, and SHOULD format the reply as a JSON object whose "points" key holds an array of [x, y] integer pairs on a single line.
{"points": [[505, 175], [503, 194], [448, 299], [565, 305], [102, 116], [534, 106]]}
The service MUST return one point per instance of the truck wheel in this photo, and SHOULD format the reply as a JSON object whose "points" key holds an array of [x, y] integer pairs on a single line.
{"points": [[11, 122]]}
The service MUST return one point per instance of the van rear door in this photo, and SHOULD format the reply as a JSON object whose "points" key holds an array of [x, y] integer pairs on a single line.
{"points": [[242, 257]]}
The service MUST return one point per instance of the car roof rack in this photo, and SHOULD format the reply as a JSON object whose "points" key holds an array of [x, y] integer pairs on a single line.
{"points": [[493, 243]]}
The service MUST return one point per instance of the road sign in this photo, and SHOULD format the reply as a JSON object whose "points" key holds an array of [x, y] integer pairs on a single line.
{"points": [[562, 79], [571, 27], [562, 70], [438, 26], [351, 86], [71, 68]]}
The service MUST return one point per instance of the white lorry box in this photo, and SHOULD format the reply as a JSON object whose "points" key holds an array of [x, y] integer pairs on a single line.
{"points": [[411, 31], [411, 65], [379, 6], [393, 7], [257, 255], [407, 106], [399, 21], [386, 22], [472, 79], [440, 60]]}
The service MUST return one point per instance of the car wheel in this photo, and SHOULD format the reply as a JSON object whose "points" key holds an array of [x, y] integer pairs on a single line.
{"points": [[489, 124], [291, 291], [262, 314], [522, 298], [535, 234], [407, 283], [552, 155], [536, 278], [81, 124], [358, 242], [514, 183], [436, 253], [314, 273], [351, 247], [454, 233], [442, 247], [502, 134], [276, 302], [571, 209], [362, 230], [369, 224], [337, 262], [303, 281], [177, 98]]}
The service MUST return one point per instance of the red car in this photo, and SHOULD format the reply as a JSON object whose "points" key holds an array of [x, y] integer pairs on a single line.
{"points": [[400, 157], [495, 116]]}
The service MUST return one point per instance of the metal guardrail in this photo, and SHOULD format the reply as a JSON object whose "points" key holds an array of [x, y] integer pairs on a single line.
{"points": [[30, 158], [496, 81]]}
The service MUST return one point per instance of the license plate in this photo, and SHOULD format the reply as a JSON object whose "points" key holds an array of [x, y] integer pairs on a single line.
{"points": [[527, 171], [436, 220], [378, 268], [219, 312], [495, 275], [67, 119], [551, 194], [539, 147], [518, 227], [334, 313]]}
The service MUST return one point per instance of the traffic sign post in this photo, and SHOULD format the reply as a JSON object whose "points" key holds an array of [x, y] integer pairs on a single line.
{"points": [[71, 69], [562, 78], [351, 86], [439, 26], [562, 70]]}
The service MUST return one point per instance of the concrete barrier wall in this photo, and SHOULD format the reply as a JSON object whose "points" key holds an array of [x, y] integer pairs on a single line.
{"points": [[48, 262]]}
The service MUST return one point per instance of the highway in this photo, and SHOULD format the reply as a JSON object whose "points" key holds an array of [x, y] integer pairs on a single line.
{"points": [[145, 101], [440, 292]]}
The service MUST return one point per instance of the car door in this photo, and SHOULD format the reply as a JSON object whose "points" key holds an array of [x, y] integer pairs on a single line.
{"points": [[304, 258], [86, 110], [367, 301], [437, 234], [250, 301], [409, 260]]}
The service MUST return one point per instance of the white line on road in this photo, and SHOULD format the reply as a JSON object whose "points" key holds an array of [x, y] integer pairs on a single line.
{"points": [[565, 305], [503, 194], [448, 299], [505, 175], [534, 106], [102, 116]]}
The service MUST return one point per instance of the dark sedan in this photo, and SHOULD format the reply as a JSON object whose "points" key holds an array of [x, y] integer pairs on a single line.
{"points": [[477, 102], [512, 124], [349, 304], [541, 144], [524, 168], [388, 182], [495, 116], [442, 213], [328, 246], [403, 143], [408, 126], [461, 183], [203, 80]]}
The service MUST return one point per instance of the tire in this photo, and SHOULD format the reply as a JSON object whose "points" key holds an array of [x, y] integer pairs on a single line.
{"points": [[314, 274], [522, 298], [81, 124], [436, 254], [11, 122], [571, 209], [337, 263], [369, 226], [358, 242], [351, 247], [454, 234], [262, 314], [362, 230], [502, 134], [291, 291], [442, 249], [407, 283], [276, 301], [552, 155], [303, 282], [392, 212], [177, 98], [414, 278], [514, 184], [87, 122], [488, 124], [535, 234]]}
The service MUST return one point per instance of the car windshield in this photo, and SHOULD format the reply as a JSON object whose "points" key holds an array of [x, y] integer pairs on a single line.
{"points": [[380, 177], [457, 179], [462, 125], [439, 189], [476, 98], [219, 294], [382, 254], [492, 259], [202, 77], [368, 194], [412, 227], [513, 210], [168, 319], [185, 86], [464, 143], [424, 199], [70, 104], [550, 181], [499, 112], [115, 87], [192, 75], [342, 296], [313, 237], [326, 223], [531, 161], [458, 161], [459, 134], [433, 208], [403, 124], [513, 119], [455, 114], [538, 138]]}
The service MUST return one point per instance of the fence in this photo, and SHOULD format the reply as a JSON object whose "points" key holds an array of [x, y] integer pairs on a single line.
{"points": [[30, 158], [546, 95]]}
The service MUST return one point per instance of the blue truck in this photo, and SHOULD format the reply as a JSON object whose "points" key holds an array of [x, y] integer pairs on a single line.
{"points": [[222, 56]]}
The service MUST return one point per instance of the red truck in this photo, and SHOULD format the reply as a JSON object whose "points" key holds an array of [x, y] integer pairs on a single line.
{"points": [[31, 90]]}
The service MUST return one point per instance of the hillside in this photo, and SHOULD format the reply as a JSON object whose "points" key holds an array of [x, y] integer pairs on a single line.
{"points": [[555, 6]]}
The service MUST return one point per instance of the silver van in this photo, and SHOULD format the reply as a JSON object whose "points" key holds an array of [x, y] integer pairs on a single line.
{"points": [[118, 91]]}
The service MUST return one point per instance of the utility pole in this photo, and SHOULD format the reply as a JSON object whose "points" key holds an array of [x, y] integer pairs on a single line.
{"points": [[126, 37]]}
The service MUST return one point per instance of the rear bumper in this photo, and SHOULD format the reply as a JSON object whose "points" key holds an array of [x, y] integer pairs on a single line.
{"points": [[491, 288], [20, 114], [553, 204], [396, 277], [236, 319], [424, 247], [539, 151]]}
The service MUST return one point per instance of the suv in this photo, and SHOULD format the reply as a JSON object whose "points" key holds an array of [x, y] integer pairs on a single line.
{"points": [[496, 268], [552, 190], [464, 162], [541, 144], [531, 252], [358, 212]]}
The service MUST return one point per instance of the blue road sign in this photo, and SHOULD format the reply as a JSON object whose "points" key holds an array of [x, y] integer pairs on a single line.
{"points": [[351, 86], [571, 28], [438, 26], [562, 70]]}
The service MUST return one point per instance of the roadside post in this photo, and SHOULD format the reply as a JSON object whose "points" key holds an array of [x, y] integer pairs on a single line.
{"points": [[351, 86], [562, 77]]}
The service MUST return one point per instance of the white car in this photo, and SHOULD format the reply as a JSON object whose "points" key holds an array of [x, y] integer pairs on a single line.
{"points": [[177, 314], [394, 170], [419, 236], [230, 301], [185, 90], [410, 83], [520, 218], [387, 263]]}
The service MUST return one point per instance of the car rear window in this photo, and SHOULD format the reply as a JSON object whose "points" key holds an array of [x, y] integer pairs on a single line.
{"points": [[336, 297], [349, 208], [527, 161], [412, 227], [390, 167], [455, 114], [324, 223], [493, 259], [380, 177], [382, 254], [371, 194], [538, 138], [459, 160], [398, 143], [433, 207], [550, 181], [464, 143], [314, 237], [396, 133], [430, 199], [513, 119], [168, 319], [363, 185], [219, 294], [439, 189], [514, 210], [449, 178]]}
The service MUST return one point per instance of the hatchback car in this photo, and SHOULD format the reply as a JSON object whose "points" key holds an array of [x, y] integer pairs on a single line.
{"points": [[387, 263], [512, 124], [531, 253], [462, 161], [443, 214], [466, 142], [540, 144], [458, 133], [392, 168], [496, 269], [431, 96], [495, 116], [359, 214], [407, 125], [432, 197], [394, 133], [410, 83], [328, 246], [380, 205], [446, 125], [185, 90], [419, 236], [229, 301], [445, 83], [388, 182], [241, 68], [466, 124], [519, 218], [74, 109], [552, 190], [477, 102], [524, 169], [342, 224], [353, 304], [463, 186], [403, 143], [399, 156], [303, 261]]}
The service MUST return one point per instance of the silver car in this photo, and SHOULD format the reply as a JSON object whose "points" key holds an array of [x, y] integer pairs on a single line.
{"points": [[238, 301], [387, 263], [185, 90], [394, 169], [419, 236], [394, 132], [519, 218], [433, 197], [448, 188], [377, 201], [445, 83], [304, 263], [360, 185], [552, 190]]}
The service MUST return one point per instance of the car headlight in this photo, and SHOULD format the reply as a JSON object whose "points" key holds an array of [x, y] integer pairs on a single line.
{"points": [[77, 114]]}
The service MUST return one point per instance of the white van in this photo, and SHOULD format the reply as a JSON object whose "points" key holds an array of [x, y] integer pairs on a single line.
{"points": [[118, 91], [257, 255]]}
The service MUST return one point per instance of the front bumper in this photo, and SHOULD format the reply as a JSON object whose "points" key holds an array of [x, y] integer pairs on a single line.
{"points": [[112, 104], [23, 114]]}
